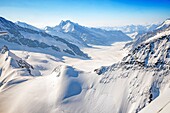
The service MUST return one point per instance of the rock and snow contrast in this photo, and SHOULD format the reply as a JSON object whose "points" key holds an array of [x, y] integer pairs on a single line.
{"points": [[81, 35], [115, 79], [25, 37]]}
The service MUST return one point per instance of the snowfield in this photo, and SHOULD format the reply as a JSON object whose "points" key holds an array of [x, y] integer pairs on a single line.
{"points": [[57, 85], [100, 56]]}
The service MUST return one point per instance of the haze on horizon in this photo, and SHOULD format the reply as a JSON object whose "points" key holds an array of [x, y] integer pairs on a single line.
{"points": [[94, 13]]}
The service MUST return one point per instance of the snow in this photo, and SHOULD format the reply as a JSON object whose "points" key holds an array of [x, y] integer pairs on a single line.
{"points": [[74, 33], [100, 56], [130, 29], [158, 36], [118, 90], [52, 91], [164, 24], [25, 25], [36, 80], [160, 104], [132, 35], [68, 27]]}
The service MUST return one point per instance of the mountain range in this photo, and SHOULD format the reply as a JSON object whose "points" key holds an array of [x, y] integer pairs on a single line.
{"points": [[26, 37], [37, 82], [133, 30], [85, 35]]}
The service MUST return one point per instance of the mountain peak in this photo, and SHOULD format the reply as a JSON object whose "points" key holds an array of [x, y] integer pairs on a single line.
{"points": [[67, 25], [63, 23]]}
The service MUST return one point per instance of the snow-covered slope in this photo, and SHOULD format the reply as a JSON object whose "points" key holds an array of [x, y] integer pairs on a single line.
{"points": [[37, 39], [25, 25], [160, 104], [83, 35], [145, 73], [165, 24], [14, 70]]}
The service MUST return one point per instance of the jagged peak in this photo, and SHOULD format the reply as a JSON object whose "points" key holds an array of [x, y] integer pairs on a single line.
{"points": [[67, 25]]}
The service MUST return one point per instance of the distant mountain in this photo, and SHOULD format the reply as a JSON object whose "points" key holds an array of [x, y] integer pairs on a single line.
{"points": [[27, 37], [74, 33], [165, 26], [133, 30]]}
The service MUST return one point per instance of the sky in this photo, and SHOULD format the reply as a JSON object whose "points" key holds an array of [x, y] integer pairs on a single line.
{"points": [[92, 13]]}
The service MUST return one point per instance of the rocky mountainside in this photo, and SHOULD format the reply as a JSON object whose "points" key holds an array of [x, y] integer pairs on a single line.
{"points": [[144, 73], [36, 39]]}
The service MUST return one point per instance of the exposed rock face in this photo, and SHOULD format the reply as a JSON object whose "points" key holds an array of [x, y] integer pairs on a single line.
{"points": [[145, 71]]}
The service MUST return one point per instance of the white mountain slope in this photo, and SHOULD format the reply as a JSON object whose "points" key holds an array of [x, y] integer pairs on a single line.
{"points": [[14, 70], [25, 25], [165, 24], [21, 92], [81, 35], [37, 39], [160, 104]]}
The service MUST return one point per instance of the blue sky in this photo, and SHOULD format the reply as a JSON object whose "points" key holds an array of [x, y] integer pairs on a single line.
{"points": [[86, 12]]}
